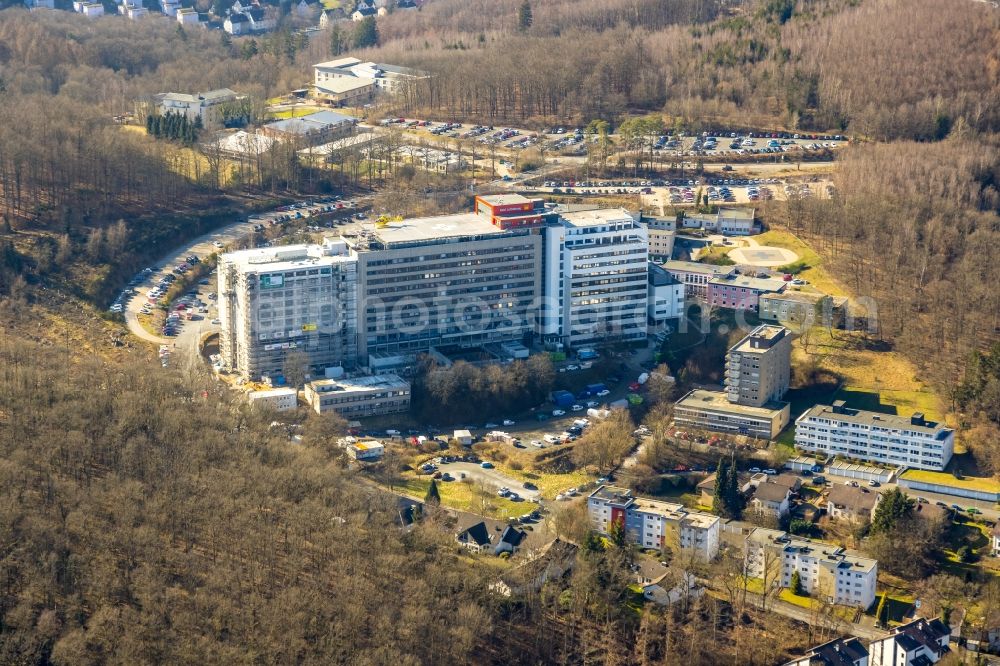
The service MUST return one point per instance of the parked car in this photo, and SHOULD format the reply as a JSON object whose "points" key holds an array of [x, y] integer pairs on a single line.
{"points": [[486, 464], [558, 412]]}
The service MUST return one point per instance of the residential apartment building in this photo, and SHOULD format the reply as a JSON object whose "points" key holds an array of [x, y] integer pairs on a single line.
{"points": [[740, 292], [88, 9], [918, 643], [711, 410], [662, 233], [696, 276], [205, 105], [595, 278], [880, 438], [838, 652], [443, 281], [187, 16], [825, 571], [132, 9], [796, 307], [361, 396], [759, 367], [655, 524], [279, 299], [665, 299]]}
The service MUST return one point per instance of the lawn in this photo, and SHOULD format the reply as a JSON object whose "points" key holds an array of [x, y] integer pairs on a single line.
{"points": [[815, 273], [944, 478], [462, 496], [881, 380], [895, 609], [549, 484], [297, 112]]}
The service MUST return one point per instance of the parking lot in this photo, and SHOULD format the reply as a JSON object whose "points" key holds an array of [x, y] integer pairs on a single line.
{"points": [[194, 315], [568, 140]]}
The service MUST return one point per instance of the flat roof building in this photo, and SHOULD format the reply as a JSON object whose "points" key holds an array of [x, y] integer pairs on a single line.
{"points": [[314, 128], [696, 276], [882, 438], [758, 367], [654, 523], [726, 221], [451, 280], [380, 76], [596, 286], [826, 571], [666, 295], [740, 292], [358, 397], [511, 211], [278, 399], [276, 300], [797, 307], [711, 410]]}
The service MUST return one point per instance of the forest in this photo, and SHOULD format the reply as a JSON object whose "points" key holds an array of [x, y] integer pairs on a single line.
{"points": [[916, 228], [146, 517]]}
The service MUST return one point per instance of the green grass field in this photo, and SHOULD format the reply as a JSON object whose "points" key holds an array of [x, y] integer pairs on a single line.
{"points": [[462, 496], [971, 483], [816, 274]]}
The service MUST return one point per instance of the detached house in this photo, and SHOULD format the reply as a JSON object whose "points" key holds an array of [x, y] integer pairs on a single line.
{"points": [[853, 504], [361, 13], [771, 499], [839, 652], [481, 538], [919, 643], [249, 21], [306, 9]]}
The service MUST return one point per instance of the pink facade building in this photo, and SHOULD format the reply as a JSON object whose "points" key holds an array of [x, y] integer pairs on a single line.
{"points": [[741, 292]]}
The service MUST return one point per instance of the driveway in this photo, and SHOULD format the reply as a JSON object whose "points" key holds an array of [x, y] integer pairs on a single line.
{"points": [[215, 241], [489, 476]]}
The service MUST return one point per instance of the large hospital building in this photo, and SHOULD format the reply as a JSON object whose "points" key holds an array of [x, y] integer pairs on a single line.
{"points": [[512, 271]]}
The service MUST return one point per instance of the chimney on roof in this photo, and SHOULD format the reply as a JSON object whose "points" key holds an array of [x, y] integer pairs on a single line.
{"points": [[838, 406], [917, 419]]}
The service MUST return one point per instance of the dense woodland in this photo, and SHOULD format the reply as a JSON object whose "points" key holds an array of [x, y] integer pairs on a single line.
{"points": [[775, 63], [145, 518], [917, 229]]}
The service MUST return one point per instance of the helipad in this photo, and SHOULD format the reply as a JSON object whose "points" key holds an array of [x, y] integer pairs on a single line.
{"points": [[763, 256]]}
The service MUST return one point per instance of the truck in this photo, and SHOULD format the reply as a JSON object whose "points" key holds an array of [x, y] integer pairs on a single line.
{"points": [[586, 354], [563, 398]]}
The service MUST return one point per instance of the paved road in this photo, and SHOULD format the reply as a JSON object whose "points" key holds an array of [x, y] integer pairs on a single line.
{"points": [[490, 476], [806, 616], [201, 246], [191, 332]]}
